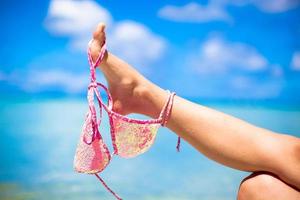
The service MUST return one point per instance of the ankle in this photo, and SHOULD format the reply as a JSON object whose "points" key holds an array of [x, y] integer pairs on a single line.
{"points": [[150, 99]]}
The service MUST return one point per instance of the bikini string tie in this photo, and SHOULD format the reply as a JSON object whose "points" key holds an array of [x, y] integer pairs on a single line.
{"points": [[108, 188], [92, 90], [166, 113]]}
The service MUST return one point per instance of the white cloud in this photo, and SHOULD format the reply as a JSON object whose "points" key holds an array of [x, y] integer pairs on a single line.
{"points": [[130, 40], [233, 69], [296, 61], [217, 56], [136, 43], [216, 10], [36, 81], [75, 18], [194, 12], [276, 6], [269, 6]]}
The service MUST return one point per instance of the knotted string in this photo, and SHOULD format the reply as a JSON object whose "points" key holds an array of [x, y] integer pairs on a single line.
{"points": [[91, 90]]}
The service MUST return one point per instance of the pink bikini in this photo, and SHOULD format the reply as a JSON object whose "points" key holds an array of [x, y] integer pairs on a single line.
{"points": [[130, 137]]}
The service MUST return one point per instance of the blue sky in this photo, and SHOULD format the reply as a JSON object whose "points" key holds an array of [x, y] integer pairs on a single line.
{"points": [[217, 49]]}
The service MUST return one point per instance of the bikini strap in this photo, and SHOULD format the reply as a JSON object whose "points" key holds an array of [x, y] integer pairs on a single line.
{"points": [[166, 112], [100, 55], [108, 188], [94, 84], [93, 116], [92, 89]]}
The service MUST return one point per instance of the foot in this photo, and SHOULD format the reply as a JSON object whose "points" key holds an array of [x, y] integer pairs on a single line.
{"points": [[129, 89]]}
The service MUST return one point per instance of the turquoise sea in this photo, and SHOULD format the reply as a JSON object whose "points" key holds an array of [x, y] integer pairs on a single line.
{"points": [[38, 138]]}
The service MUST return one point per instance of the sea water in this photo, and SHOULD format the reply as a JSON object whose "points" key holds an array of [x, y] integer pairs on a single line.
{"points": [[38, 139]]}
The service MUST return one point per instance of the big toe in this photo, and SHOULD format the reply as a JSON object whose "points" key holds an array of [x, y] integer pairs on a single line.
{"points": [[98, 40], [99, 34]]}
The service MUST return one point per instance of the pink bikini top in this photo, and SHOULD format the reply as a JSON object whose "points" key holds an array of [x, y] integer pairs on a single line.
{"points": [[130, 137]]}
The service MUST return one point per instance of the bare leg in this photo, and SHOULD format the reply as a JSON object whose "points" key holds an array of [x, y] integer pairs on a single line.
{"points": [[221, 137], [259, 186]]}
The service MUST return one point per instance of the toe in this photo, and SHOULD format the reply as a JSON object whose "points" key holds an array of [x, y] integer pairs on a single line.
{"points": [[99, 33], [98, 40], [101, 27]]}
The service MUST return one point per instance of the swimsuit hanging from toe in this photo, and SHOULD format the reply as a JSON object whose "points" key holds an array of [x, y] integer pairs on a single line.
{"points": [[130, 137]]}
